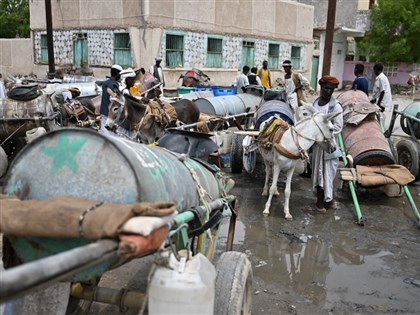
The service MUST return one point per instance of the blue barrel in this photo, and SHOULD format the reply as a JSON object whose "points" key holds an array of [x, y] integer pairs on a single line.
{"points": [[271, 108], [228, 105]]}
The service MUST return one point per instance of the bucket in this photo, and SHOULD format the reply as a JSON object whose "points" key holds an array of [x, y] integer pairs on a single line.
{"points": [[183, 289], [35, 133], [367, 144]]}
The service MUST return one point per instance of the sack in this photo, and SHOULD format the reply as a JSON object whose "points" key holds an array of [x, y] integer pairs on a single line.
{"points": [[24, 93]]}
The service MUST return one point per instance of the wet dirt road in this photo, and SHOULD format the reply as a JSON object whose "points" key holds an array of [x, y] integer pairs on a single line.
{"points": [[325, 263]]}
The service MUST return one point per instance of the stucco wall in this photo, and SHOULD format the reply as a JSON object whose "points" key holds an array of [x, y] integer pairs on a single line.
{"points": [[16, 57]]}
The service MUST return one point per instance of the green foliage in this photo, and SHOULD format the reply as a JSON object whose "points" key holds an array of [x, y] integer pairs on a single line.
{"points": [[395, 32], [14, 19]]}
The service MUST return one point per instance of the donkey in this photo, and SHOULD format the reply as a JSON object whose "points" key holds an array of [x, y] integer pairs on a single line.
{"points": [[294, 143], [135, 115]]}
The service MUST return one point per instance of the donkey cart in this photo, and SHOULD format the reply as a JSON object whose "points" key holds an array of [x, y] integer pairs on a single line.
{"points": [[77, 204], [20, 119], [369, 156]]}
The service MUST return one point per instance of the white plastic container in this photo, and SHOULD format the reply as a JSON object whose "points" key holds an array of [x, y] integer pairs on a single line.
{"points": [[188, 288]]}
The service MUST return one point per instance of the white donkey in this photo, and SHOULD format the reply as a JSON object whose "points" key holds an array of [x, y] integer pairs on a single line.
{"points": [[294, 143]]}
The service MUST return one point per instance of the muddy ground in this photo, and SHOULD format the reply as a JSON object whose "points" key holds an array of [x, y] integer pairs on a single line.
{"points": [[325, 263]]}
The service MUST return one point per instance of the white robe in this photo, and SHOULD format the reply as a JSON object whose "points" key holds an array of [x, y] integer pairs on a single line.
{"points": [[324, 171]]}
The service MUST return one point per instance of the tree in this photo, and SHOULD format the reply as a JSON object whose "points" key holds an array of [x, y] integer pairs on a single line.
{"points": [[395, 32], [14, 18]]}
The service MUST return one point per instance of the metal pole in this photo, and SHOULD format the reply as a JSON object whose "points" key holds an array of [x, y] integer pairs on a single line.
{"points": [[40, 273], [50, 41], [329, 36]]}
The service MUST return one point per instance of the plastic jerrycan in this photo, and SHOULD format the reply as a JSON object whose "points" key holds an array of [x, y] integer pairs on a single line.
{"points": [[187, 288]]}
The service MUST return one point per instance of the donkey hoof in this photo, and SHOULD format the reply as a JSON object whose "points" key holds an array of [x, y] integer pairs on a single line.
{"points": [[289, 217], [266, 212], [264, 193], [276, 193]]}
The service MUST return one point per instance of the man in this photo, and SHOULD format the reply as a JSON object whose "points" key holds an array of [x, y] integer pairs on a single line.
{"points": [[157, 71], [265, 75], [381, 90], [241, 80], [128, 78], [109, 88], [294, 83], [253, 78], [360, 83], [324, 164]]}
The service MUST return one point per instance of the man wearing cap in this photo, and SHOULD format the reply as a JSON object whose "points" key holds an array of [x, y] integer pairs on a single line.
{"points": [[157, 71], [324, 164], [128, 78], [109, 88], [294, 83]]}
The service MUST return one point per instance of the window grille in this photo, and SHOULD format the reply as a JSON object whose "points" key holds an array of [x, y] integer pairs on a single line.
{"points": [[44, 49], [273, 56], [122, 49], [174, 50], [295, 56], [214, 52], [391, 70], [247, 54]]}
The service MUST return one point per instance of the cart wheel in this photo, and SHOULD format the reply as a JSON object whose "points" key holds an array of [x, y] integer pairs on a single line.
{"points": [[233, 284], [236, 151], [409, 156], [414, 124]]}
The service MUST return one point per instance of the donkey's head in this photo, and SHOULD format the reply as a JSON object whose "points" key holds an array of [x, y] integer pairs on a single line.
{"points": [[117, 112]]}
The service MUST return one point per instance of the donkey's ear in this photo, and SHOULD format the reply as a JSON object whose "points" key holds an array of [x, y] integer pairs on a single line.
{"points": [[309, 108], [331, 116]]}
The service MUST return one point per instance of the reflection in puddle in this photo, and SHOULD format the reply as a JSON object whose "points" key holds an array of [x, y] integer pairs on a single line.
{"points": [[322, 272]]}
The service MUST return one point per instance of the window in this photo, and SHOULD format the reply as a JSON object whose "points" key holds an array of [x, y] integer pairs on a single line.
{"points": [[80, 50], [174, 50], [247, 54], [295, 56], [44, 49], [273, 56], [214, 52], [391, 70], [122, 49]]}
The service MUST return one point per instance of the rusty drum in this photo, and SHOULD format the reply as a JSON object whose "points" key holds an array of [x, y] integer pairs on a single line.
{"points": [[365, 142]]}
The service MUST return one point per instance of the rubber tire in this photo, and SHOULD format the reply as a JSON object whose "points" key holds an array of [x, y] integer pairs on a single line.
{"points": [[409, 156], [251, 158], [233, 284], [374, 157], [236, 153]]}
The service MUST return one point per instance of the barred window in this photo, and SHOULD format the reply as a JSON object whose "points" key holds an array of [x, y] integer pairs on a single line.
{"points": [[122, 49], [174, 50], [214, 52], [44, 48], [273, 56], [295, 57], [391, 70]]}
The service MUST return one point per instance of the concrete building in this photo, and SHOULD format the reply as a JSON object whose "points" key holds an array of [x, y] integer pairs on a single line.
{"points": [[217, 36]]}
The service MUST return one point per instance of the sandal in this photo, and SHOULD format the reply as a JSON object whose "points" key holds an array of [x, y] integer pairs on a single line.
{"points": [[314, 209], [331, 205]]}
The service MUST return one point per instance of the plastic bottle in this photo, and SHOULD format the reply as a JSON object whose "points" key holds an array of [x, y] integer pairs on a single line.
{"points": [[187, 288]]}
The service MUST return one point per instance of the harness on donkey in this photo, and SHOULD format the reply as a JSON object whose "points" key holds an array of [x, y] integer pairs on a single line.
{"points": [[162, 112], [271, 135]]}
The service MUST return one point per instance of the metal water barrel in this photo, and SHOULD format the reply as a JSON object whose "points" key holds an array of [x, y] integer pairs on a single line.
{"points": [[196, 95], [270, 108], [228, 105], [86, 88], [85, 163], [367, 144]]}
